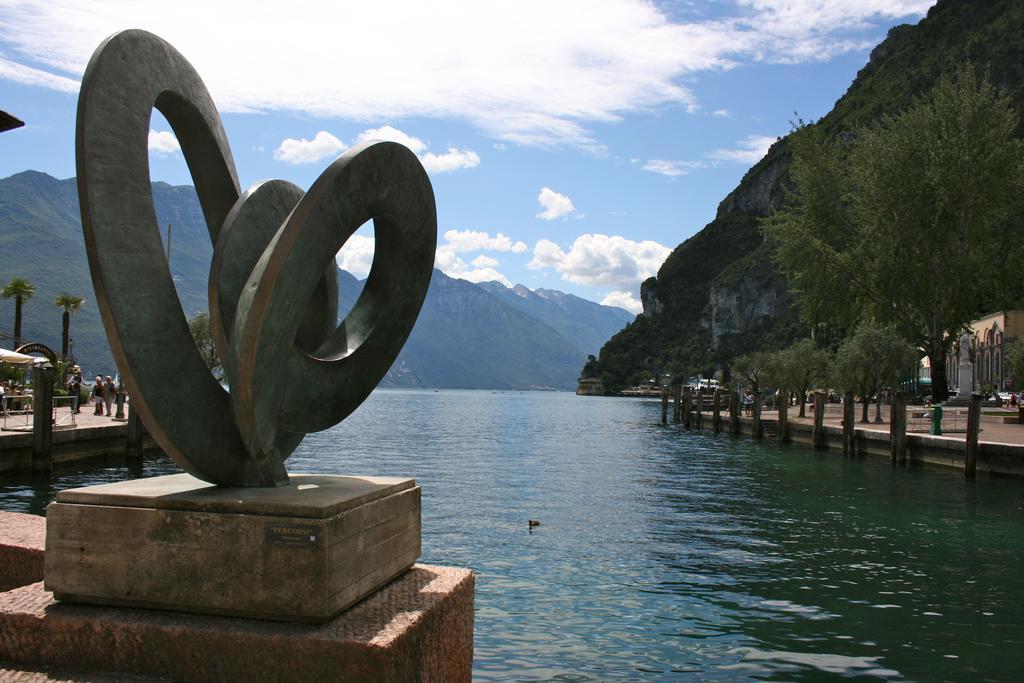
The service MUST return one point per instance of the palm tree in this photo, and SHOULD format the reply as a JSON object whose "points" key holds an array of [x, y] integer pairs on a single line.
{"points": [[21, 290], [69, 304]]}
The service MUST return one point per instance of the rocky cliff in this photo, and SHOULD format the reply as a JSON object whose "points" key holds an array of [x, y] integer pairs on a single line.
{"points": [[718, 294]]}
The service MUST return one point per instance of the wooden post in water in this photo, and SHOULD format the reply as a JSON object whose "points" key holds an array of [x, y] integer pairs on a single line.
{"points": [[849, 424], [973, 427], [898, 428], [716, 412], [664, 405], [42, 419], [700, 408], [784, 416], [677, 391], [758, 432], [734, 412], [686, 407], [818, 437], [135, 432]]}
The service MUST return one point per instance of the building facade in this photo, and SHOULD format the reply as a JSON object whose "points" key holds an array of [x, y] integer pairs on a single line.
{"points": [[990, 335]]}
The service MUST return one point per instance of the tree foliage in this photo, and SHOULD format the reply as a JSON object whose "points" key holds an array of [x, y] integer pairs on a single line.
{"points": [[754, 369], [910, 222], [799, 367], [872, 358], [21, 290], [199, 326], [68, 304]]}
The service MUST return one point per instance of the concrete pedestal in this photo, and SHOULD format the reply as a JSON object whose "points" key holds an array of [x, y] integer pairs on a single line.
{"points": [[302, 552], [22, 538], [417, 628]]}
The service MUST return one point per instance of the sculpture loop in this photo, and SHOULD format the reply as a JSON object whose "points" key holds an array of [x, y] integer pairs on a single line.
{"points": [[273, 280]]}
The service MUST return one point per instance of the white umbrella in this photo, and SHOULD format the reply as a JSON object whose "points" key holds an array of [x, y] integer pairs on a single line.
{"points": [[17, 358]]}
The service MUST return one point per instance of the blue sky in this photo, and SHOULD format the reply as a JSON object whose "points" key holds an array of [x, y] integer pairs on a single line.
{"points": [[571, 145]]}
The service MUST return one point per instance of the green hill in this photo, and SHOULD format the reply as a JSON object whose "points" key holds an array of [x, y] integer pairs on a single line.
{"points": [[467, 335], [41, 240], [718, 294]]}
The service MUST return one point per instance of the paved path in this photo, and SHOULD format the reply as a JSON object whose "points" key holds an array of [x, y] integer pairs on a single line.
{"points": [[993, 432], [22, 424]]}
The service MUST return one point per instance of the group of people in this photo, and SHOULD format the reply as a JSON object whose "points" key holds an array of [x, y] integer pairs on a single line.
{"points": [[102, 393]]}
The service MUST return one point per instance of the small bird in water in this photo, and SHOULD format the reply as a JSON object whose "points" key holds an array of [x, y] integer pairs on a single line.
{"points": [[534, 522]]}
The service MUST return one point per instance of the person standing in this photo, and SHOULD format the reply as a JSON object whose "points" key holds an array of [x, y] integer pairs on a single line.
{"points": [[73, 391], [97, 395], [109, 392]]}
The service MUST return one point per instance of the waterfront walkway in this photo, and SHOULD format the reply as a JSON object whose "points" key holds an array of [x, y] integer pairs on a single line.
{"points": [[92, 436], [954, 424]]}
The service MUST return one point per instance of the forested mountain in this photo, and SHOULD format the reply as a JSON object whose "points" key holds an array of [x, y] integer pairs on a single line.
{"points": [[467, 335], [718, 294]]}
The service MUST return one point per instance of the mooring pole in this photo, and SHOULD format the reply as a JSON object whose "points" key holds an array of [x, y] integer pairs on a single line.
{"points": [[898, 428], [664, 405], [700, 408], [784, 416], [686, 408], [42, 419], [818, 438], [758, 431], [677, 391], [849, 424], [973, 427], [716, 412], [734, 412], [135, 432]]}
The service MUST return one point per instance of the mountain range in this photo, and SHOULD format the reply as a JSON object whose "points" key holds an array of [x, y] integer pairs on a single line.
{"points": [[467, 335], [718, 293]]}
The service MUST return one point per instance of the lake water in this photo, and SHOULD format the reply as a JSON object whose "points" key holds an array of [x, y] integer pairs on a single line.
{"points": [[668, 555]]}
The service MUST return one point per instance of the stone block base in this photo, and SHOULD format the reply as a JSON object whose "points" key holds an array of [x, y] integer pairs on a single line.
{"points": [[301, 552], [22, 539], [417, 628]]}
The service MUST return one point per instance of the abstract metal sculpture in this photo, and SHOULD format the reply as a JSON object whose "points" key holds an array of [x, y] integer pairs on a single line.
{"points": [[273, 281]]}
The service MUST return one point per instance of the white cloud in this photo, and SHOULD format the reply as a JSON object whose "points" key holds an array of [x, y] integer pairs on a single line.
{"points": [[535, 73], [324, 145], [163, 142], [601, 261], [624, 300], [302, 151], [26, 75], [481, 268], [356, 256], [671, 169], [722, 113], [481, 275], [452, 160], [484, 261], [392, 134], [461, 241], [555, 205], [749, 150]]}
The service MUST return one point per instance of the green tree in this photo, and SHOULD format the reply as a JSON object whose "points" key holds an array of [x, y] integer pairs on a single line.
{"points": [[800, 367], [68, 304], [754, 369], [912, 223], [872, 358], [199, 326], [21, 290]]}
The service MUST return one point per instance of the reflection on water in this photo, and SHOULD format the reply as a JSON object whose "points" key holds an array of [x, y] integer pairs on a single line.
{"points": [[664, 554]]}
